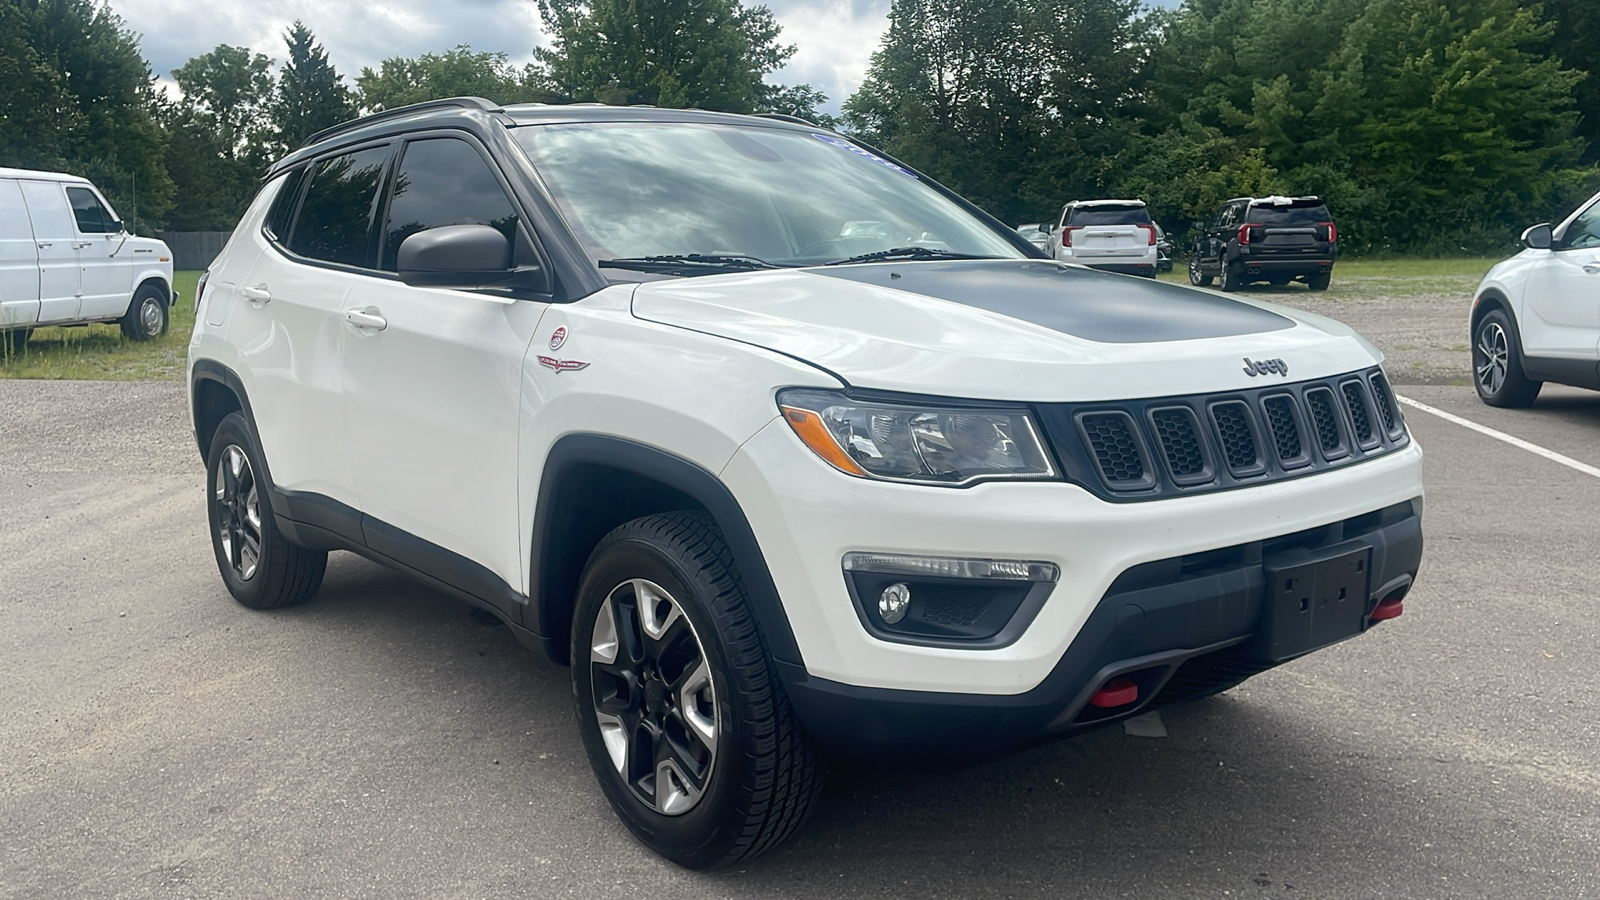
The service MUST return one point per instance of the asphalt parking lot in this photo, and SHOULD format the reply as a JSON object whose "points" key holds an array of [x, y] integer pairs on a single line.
{"points": [[157, 740]]}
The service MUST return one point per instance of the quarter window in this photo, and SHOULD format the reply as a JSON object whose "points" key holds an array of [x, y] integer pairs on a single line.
{"points": [[91, 215], [335, 221], [281, 216], [440, 182]]}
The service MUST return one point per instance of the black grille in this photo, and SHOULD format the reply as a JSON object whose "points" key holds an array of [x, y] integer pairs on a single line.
{"points": [[1116, 450], [1180, 442], [1380, 393], [1354, 397], [1326, 417], [1238, 442], [1135, 450], [1285, 429]]}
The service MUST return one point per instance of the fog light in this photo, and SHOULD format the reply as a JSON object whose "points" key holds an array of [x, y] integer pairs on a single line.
{"points": [[894, 602]]}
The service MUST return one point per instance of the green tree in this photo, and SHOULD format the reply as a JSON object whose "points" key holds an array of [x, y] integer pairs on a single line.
{"points": [[458, 72], [1573, 41], [711, 54], [311, 95], [77, 96], [228, 90]]}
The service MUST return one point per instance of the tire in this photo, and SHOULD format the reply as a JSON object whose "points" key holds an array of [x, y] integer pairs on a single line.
{"points": [[1497, 363], [701, 696], [12, 342], [261, 569], [1230, 279], [1319, 282], [146, 318], [1196, 276]]}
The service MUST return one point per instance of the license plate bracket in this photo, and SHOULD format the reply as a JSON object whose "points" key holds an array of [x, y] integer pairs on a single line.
{"points": [[1314, 598]]}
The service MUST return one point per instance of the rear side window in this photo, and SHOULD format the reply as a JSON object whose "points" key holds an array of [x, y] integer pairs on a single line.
{"points": [[1109, 215], [91, 215], [335, 220], [443, 181], [1298, 213], [282, 213]]}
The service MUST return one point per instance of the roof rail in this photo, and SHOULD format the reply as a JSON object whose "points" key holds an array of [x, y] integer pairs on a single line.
{"points": [[448, 103], [785, 117]]}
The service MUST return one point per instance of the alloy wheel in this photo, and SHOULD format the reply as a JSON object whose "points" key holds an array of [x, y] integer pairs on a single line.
{"points": [[1492, 358], [238, 512], [653, 696]]}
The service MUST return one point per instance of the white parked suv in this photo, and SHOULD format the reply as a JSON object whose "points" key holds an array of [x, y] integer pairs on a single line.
{"points": [[1115, 235], [790, 452], [66, 259], [1536, 316]]}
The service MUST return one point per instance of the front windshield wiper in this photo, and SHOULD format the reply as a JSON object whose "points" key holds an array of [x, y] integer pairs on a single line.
{"points": [[688, 262], [907, 253]]}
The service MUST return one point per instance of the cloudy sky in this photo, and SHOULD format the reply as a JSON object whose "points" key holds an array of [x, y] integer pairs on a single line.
{"points": [[835, 38]]}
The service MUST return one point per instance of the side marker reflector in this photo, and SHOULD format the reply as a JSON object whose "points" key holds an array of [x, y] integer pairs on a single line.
{"points": [[1116, 692], [808, 427]]}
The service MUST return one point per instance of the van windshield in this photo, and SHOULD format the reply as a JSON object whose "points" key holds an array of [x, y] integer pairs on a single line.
{"points": [[767, 196]]}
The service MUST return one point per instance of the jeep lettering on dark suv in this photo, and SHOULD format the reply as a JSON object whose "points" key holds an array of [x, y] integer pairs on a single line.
{"points": [[789, 452]]}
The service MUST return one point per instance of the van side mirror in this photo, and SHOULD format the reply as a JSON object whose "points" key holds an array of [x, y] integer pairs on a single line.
{"points": [[459, 256], [1538, 237]]}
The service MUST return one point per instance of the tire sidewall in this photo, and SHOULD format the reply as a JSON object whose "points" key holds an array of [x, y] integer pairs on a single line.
{"points": [[700, 836], [142, 298], [233, 430]]}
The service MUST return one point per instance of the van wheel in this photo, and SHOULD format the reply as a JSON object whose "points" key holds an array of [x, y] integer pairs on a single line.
{"points": [[682, 716], [1497, 364], [1197, 277], [146, 318], [261, 569], [13, 341]]}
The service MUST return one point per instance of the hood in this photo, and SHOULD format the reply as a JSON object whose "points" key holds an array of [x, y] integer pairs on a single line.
{"points": [[1026, 330]]}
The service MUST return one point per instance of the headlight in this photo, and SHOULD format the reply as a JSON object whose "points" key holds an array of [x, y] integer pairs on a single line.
{"points": [[922, 442]]}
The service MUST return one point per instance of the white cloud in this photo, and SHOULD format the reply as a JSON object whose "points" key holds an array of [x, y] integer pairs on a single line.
{"points": [[834, 40]]}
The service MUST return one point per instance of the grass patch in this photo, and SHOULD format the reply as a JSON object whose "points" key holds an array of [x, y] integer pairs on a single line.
{"points": [[1354, 279], [101, 353]]}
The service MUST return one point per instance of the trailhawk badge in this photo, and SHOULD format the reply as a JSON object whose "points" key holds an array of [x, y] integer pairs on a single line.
{"points": [[1265, 367], [562, 365]]}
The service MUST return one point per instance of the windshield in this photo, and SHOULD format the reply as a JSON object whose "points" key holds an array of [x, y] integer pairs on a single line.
{"points": [[632, 190], [1108, 215], [1299, 213]]}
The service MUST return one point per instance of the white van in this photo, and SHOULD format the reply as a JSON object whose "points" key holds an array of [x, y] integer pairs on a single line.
{"points": [[66, 259]]}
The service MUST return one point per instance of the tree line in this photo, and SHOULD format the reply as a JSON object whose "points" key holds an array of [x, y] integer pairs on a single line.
{"points": [[1434, 126]]}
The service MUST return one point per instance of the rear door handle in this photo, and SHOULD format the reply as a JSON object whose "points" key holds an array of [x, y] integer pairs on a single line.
{"points": [[256, 294], [366, 318]]}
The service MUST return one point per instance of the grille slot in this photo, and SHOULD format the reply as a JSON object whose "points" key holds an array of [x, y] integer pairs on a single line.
{"points": [[1178, 433], [1285, 427], [1325, 415], [1113, 441], [1238, 438], [1356, 400], [1386, 410]]}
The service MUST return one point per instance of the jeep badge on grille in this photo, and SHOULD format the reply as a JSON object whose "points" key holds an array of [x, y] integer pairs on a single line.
{"points": [[1265, 367]]}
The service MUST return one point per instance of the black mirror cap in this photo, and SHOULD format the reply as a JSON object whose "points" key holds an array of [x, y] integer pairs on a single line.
{"points": [[454, 256], [1538, 237]]}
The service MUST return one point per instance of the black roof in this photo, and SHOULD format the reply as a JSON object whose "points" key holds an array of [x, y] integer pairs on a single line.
{"points": [[476, 110]]}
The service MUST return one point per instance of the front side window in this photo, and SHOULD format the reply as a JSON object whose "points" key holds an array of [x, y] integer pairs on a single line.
{"points": [[783, 197], [1583, 232], [91, 215], [443, 181], [335, 221]]}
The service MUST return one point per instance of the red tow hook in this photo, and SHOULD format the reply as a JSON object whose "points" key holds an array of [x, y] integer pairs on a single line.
{"points": [[1116, 692], [1388, 609]]}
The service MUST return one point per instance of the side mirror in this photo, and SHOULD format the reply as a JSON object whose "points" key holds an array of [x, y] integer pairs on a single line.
{"points": [[455, 256], [1539, 237]]}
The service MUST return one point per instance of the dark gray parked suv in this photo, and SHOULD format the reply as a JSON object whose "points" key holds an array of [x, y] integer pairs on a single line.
{"points": [[1272, 239]]}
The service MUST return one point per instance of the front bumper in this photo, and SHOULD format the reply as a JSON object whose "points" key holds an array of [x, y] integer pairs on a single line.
{"points": [[1178, 629]]}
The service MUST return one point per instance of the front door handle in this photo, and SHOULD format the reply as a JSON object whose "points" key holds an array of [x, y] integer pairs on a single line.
{"points": [[366, 318], [256, 294], [1592, 268]]}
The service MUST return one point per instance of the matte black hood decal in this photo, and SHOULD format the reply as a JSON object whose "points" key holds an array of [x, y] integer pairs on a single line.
{"points": [[1095, 306]]}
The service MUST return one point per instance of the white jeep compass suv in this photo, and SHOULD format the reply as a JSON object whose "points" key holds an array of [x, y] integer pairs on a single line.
{"points": [[788, 451]]}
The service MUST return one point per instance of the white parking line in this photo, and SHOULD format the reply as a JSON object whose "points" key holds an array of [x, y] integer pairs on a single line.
{"points": [[1567, 461]]}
